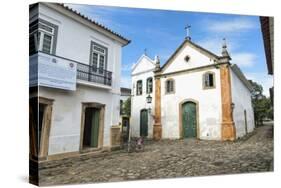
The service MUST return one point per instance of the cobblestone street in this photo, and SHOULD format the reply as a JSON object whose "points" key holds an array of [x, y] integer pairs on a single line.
{"points": [[167, 159]]}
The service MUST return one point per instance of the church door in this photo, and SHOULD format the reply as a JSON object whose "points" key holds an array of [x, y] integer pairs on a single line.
{"points": [[189, 120], [143, 123]]}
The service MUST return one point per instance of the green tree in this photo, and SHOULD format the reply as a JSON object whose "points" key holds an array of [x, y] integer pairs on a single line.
{"points": [[127, 107], [262, 105]]}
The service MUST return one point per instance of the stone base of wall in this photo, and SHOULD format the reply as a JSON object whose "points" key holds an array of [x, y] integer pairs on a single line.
{"points": [[228, 131], [157, 131], [115, 136]]}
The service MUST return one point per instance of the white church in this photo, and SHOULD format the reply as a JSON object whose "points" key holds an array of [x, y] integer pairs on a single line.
{"points": [[195, 94]]}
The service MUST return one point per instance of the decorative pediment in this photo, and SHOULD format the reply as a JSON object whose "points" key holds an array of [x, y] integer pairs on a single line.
{"points": [[144, 64], [189, 55]]}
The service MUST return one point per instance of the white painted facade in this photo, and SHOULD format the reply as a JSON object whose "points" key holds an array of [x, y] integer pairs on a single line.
{"points": [[241, 97], [189, 86], [74, 38], [142, 70]]}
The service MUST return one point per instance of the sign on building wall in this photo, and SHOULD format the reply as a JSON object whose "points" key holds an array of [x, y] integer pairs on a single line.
{"points": [[50, 71]]}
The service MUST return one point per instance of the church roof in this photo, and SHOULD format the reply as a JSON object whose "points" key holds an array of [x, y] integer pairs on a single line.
{"points": [[192, 44], [241, 76], [125, 91], [139, 60]]}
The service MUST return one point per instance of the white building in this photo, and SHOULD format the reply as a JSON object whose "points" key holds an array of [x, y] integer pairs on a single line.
{"points": [[194, 94], [79, 68]]}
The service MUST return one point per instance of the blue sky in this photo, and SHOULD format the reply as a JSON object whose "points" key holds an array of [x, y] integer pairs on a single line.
{"points": [[162, 31]]}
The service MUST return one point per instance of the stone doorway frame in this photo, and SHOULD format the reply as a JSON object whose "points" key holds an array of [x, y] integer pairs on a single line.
{"points": [[101, 125], [197, 117], [46, 127], [147, 113]]}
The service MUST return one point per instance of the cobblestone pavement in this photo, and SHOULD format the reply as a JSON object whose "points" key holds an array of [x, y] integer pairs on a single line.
{"points": [[167, 159]]}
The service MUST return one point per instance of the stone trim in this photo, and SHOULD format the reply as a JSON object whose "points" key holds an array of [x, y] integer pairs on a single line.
{"points": [[214, 80], [91, 55], [185, 71], [137, 91], [174, 86], [197, 117], [55, 36], [72, 154], [157, 127], [101, 126], [192, 45], [228, 130], [46, 127], [147, 80]]}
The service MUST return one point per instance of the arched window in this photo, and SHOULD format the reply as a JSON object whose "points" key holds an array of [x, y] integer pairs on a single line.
{"points": [[209, 80], [149, 85], [139, 87], [170, 86]]}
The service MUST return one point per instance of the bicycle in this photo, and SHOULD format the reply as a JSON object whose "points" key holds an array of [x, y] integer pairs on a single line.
{"points": [[134, 145]]}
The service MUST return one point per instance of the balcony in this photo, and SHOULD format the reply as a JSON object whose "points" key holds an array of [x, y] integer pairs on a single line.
{"points": [[93, 74], [60, 72]]}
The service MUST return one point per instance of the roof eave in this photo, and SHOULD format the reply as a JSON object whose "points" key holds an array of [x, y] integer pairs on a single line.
{"points": [[95, 25], [210, 54], [241, 76]]}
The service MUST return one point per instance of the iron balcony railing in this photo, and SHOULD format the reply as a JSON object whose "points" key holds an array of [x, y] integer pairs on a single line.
{"points": [[89, 73], [93, 74]]}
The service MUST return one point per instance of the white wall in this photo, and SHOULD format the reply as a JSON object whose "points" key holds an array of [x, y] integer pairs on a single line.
{"points": [[66, 116], [73, 42], [142, 71], [143, 65], [197, 59], [189, 86], [241, 97]]}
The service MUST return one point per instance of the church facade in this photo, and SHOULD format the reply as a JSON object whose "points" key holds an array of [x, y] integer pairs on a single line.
{"points": [[195, 94]]}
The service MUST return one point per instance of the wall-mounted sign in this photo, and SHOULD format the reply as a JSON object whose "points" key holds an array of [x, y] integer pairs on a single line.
{"points": [[51, 71]]}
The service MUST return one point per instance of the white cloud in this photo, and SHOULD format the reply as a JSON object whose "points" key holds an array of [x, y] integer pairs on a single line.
{"points": [[215, 45], [126, 81], [241, 58], [261, 78], [244, 59], [127, 67], [100, 14], [231, 25]]}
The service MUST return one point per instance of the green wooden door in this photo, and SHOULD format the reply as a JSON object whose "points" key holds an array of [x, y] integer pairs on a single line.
{"points": [[95, 128], [189, 120], [91, 127], [143, 123]]}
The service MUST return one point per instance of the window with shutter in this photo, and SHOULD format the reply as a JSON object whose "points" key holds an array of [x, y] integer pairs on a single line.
{"points": [[139, 87], [99, 58], [149, 85], [42, 37], [170, 86], [209, 80]]}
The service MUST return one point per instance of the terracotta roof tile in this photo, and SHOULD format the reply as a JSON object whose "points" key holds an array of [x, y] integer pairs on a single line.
{"points": [[93, 22]]}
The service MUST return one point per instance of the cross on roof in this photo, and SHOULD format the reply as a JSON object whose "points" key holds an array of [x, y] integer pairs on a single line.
{"points": [[187, 28]]}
